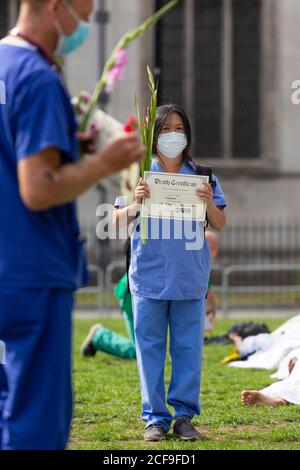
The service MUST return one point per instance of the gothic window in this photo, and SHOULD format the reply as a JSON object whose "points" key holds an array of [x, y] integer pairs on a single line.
{"points": [[209, 62]]}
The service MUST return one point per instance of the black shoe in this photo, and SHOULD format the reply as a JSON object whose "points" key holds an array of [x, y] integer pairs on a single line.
{"points": [[184, 430], [154, 433], [87, 349]]}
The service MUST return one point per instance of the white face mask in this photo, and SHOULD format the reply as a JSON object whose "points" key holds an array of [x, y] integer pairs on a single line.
{"points": [[171, 144]]}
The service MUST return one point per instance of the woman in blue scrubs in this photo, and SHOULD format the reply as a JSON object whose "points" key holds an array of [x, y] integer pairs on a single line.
{"points": [[169, 281]]}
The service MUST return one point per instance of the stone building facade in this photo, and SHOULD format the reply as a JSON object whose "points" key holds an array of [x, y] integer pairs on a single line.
{"points": [[232, 65]]}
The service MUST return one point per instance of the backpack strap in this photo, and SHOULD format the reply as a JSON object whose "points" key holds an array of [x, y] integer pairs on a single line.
{"points": [[202, 170]]}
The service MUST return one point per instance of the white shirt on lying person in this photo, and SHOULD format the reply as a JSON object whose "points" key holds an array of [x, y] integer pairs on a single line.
{"points": [[252, 344], [289, 330], [283, 369], [271, 348], [287, 389]]}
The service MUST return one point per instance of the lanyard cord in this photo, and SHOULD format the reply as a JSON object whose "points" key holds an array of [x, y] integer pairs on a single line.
{"points": [[17, 33]]}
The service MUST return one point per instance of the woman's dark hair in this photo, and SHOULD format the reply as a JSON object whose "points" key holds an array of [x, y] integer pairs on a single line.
{"points": [[163, 112]]}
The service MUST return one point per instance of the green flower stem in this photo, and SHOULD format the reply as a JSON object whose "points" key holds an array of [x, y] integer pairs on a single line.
{"points": [[147, 126], [122, 44], [144, 230]]}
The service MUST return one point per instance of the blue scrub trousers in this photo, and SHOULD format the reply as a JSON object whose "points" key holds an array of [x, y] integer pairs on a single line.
{"points": [[35, 382], [185, 318]]}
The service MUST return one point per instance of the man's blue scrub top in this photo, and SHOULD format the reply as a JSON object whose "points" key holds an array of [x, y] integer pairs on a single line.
{"points": [[165, 269], [37, 250]]}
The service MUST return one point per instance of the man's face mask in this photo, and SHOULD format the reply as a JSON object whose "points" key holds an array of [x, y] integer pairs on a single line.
{"points": [[69, 44]]}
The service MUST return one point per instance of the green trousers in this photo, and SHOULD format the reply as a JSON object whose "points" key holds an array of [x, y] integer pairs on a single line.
{"points": [[110, 342]]}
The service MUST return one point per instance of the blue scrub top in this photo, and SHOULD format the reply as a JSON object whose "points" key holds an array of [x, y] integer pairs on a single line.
{"points": [[42, 249], [164, 269]]}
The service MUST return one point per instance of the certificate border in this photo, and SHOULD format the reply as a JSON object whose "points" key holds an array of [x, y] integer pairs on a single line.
{"points": [[174, 175]]}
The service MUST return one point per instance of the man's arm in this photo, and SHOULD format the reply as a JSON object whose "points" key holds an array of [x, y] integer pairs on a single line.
{"points": [[45, 183]]}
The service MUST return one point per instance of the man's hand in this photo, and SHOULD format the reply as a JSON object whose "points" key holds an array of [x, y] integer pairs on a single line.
{"points": [[122, 153], [88, 140]]}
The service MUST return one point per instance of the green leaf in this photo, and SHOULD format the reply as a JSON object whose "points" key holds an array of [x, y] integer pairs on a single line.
{"points": [[150, 79], [137, 111], [148, 122]]}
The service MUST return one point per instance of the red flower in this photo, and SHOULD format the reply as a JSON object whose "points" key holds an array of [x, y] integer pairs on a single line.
{"points": [[131, 124]]}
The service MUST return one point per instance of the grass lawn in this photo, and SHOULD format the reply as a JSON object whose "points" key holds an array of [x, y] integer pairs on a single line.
{"points": [[107, 404]]}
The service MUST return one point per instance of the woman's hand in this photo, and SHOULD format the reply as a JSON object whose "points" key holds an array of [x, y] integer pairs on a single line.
{"points": [[142, 191], [206, 194]]}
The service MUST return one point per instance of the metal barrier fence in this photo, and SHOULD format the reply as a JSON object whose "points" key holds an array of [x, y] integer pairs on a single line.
{"points": [[93, 295], [258, 267], [228, 289], [230, 295]]}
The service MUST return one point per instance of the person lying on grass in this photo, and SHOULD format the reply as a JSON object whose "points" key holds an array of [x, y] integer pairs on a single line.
{"points": [[284, 392]]}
